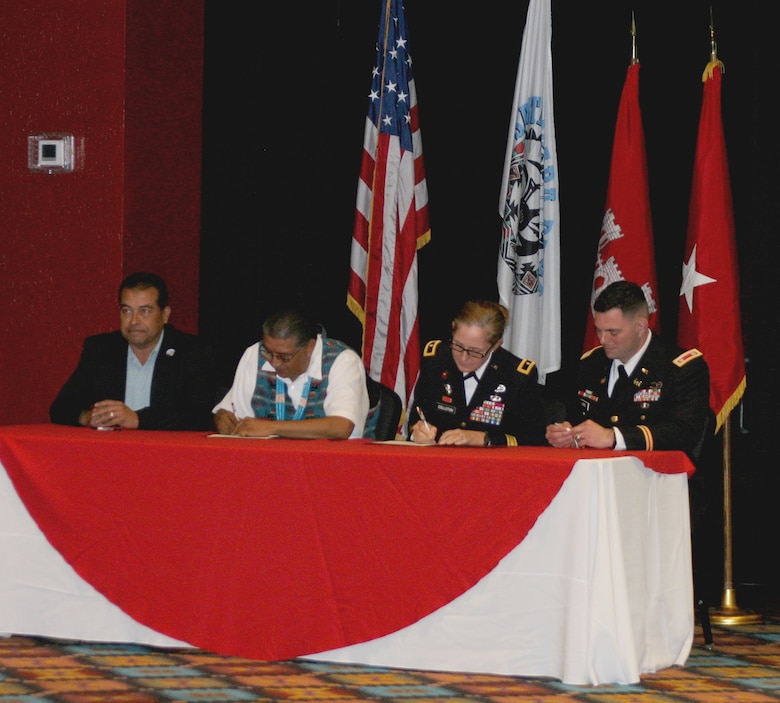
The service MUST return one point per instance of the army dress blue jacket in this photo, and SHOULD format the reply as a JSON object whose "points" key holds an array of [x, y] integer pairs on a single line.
{"points": [[507, 403]]}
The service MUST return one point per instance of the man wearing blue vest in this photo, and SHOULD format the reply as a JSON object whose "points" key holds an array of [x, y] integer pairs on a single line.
{"points": [[295, 383]]}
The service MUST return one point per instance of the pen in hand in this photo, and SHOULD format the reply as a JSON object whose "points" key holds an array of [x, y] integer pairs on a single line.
{"points": [[575, 440], [422, 417], [235, 415]]}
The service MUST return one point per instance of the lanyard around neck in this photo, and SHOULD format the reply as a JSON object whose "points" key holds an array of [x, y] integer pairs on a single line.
{"points": [[281, 391]]}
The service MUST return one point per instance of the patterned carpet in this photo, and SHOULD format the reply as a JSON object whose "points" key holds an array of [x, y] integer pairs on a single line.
{"points": [[742, 665]]}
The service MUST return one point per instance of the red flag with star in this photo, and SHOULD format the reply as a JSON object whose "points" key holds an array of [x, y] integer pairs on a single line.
{"points": [[709, 296]]}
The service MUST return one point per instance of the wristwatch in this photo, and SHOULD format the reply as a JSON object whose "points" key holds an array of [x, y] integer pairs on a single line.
{"points": [[488, 443]]}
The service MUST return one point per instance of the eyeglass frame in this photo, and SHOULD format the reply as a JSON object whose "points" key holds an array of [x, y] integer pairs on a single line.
{"points": [[269, 356], [473, 353]]}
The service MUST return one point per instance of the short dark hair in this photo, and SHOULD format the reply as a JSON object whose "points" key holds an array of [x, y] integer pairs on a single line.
{"points": [[141, 281], [625, 295], [286, 324]]}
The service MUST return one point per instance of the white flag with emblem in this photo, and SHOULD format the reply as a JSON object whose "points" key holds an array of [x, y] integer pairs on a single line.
{"points": [[529, 260]]}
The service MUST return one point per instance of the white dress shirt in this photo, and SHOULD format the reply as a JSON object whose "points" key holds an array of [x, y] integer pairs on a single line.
{"points": [[347, 394]]}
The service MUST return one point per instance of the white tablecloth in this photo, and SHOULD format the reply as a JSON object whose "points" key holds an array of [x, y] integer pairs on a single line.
{"points": [[599, 591]]}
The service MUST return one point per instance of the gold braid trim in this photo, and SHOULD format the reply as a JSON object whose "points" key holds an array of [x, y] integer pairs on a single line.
{"points": [[589, 352], [648, 437]]}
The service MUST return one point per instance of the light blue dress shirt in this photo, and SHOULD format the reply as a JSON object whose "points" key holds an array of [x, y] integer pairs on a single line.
{"points": [[138, 386]]}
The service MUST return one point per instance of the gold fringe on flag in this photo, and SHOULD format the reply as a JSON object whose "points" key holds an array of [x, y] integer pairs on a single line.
{"points": [[731, 402]]}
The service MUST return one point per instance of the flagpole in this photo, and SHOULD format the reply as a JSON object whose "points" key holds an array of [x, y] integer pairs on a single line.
{"points": [[729, 612]]}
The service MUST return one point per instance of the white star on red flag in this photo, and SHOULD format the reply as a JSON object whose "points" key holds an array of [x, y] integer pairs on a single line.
{"points": [[691, 278]]}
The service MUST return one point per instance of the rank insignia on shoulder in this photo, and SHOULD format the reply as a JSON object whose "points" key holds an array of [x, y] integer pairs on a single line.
{"points": [[430, 347], [687, 356], [526, 366]]}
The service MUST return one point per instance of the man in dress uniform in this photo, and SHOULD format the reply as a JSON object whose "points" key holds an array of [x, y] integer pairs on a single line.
{"points": [[634, 391]]}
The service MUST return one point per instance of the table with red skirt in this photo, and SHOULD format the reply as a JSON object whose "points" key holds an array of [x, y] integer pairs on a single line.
{"points": [[531, 561]]}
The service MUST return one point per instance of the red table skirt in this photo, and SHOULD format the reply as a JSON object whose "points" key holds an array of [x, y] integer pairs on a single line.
{"points": [[272, 549]]}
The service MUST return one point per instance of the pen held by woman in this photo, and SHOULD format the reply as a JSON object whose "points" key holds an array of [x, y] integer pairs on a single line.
{"points": [[422, 417], [426, 435]]}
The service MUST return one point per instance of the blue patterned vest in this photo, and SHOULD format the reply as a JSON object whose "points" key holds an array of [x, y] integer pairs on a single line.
{"points": [[264, 398]]}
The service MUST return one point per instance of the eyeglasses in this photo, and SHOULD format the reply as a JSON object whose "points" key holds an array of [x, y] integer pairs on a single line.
{"points": [[281, 358], [473, 353]]}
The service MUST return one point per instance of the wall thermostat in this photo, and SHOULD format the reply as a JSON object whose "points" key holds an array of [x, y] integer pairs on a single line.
{"points": [[51, 153]]}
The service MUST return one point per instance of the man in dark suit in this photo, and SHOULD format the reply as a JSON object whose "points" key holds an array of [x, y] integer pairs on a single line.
{"points": [[661, 403], [145, 375]]}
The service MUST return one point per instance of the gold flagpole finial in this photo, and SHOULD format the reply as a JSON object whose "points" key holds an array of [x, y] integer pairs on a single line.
{"points": [[634, 57], [714, 61]]}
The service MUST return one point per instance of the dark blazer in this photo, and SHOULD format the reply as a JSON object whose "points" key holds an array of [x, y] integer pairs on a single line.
{"points": [[507, 403], [666, 405], [183, 385]]}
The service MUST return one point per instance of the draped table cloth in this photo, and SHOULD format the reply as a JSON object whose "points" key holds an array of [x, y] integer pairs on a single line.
{"points": [[273, 549]]}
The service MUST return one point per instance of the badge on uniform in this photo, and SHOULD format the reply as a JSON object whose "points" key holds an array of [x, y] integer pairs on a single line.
{"points": [[489, 413], [647, 395]]}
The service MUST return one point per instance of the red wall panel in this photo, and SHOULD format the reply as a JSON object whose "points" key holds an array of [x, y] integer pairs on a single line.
{"points": [[67, 239]]}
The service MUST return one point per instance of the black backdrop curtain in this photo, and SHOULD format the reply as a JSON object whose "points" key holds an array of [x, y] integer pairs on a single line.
{"points": [[285, 97]]}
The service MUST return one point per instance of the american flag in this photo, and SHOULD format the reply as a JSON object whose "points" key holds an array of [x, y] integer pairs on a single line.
{"points": [[391, 222]]}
